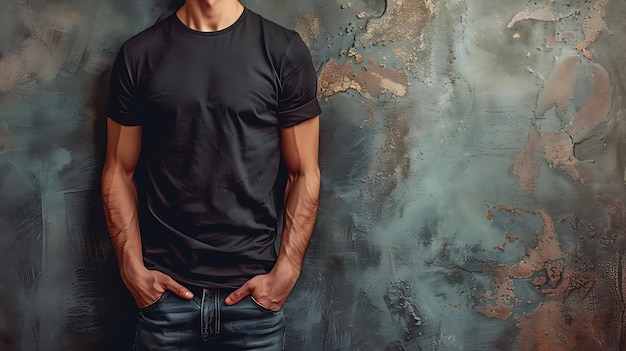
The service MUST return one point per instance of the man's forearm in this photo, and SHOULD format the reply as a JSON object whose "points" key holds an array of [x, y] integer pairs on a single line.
{"points": [[119, 195], [301, 203]]}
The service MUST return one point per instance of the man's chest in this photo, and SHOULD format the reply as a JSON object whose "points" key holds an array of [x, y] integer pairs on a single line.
{"points": [[238, 84]]}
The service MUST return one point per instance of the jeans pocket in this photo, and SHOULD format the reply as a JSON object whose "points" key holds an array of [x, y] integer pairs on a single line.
{"points": [[154, 303], [262, 307]]}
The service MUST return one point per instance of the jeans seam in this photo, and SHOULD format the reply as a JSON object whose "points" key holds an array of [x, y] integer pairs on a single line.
{"points": [[203, 316], [217, 313], [284, 332]]}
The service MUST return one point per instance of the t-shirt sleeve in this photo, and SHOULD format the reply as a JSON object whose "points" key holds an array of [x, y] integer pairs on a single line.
{"points": [[124, 104], [297, 101]]}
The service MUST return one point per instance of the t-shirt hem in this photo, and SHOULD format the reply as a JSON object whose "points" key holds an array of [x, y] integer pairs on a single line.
{"points": [[123, 119], [298, 115], [199, 284]]}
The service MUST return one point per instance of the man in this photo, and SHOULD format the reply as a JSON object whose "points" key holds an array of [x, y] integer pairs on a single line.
{"points": [[204, 106]]}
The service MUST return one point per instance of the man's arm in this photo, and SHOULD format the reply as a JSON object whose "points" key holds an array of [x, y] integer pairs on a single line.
{"points": [[300, 151], [119, 196]]}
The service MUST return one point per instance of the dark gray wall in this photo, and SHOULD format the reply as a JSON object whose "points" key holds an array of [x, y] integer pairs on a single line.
{"points": [[473, 174]]}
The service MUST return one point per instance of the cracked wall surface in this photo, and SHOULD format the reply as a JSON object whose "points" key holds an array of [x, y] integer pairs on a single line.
{"points": [[473, 174]]}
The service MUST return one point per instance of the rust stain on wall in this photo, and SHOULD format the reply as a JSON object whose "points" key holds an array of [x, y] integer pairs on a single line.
{"points": [[551, 265], [578, 121], [498, 303], [584, 290], [548, 249], [336, 77], [558, 150], [553, 327], [616, 220], [525, 166], [560, 87], [597, 107], [403, 25], [588, 320], [593, 25], [544, 14]]}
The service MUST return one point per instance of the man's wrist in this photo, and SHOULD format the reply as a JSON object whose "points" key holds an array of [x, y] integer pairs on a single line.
{"points": [[131, 265], [287, 269]]}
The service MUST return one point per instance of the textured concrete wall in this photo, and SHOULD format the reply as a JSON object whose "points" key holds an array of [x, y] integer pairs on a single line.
{"points": [[473, 174]]}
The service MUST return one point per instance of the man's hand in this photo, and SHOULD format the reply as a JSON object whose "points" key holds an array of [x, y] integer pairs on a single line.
{"points": [[147, 286], [269, 290]]}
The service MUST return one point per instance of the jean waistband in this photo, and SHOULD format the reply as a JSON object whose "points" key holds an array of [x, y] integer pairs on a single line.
{"points": [[198, 290]]}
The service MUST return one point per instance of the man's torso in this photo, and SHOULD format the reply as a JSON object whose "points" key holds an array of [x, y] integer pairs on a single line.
{"points": [[208, 106]]}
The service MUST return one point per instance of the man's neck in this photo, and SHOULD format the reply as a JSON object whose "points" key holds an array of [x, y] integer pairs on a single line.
{"points": [[209, 15]]}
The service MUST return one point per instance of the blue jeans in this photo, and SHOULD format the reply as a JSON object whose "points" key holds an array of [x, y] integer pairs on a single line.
{"points": [[206, 323]]}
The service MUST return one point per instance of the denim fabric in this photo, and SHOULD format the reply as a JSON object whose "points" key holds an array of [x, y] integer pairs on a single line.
{"points": [[206, 323]]}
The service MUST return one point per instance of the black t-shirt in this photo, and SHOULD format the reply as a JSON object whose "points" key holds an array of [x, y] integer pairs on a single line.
{"points": [[211, 105]]}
